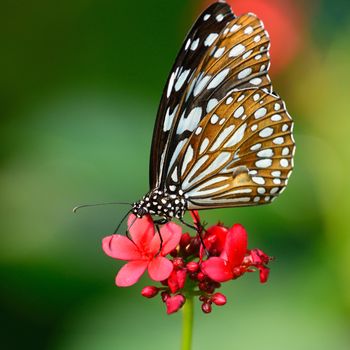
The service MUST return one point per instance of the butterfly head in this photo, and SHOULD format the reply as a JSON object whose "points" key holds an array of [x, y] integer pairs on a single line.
{"points": [[161, 203]]}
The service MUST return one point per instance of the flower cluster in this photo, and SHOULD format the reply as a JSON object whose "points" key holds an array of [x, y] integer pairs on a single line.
{"points": [[185, 265]]}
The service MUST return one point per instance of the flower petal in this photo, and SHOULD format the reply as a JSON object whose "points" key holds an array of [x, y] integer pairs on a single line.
{"points": [[174, 303], [171, 236], [130, 273], [120, 247], [141, 230], [214, 240], [263, 273], [177, 280], [217, 269], [236, 245], [159, 268]]}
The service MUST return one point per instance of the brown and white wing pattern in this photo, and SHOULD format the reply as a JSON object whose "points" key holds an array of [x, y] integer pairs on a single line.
{"points": [[240, 154], [212, 21], [221, 53]]}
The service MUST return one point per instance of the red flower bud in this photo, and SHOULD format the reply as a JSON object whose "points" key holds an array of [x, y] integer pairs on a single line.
{"points": [[149, 291], [202, 286], [165, 296], [206, 307], [174, 303], [178, 263], [201, 276], [218, 299], [192, 266], [185, 240]]}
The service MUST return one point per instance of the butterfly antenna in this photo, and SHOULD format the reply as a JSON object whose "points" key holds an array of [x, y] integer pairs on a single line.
{"points": [[132, 224], [75, 209], [117, 229], [122, 220]]}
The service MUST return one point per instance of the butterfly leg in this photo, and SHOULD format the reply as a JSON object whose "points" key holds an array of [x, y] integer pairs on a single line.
{"points": [[199, 231], [160, 237]]}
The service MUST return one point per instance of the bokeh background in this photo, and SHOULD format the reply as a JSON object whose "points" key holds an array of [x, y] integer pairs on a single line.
{"points": [[80, 86]]}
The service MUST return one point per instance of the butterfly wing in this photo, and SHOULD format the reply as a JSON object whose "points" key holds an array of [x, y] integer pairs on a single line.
{"points": [[241, 153], [213, 20], [233, 55]]}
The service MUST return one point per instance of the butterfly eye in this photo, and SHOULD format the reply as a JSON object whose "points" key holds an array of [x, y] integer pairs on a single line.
{"points": [[140, 212]]}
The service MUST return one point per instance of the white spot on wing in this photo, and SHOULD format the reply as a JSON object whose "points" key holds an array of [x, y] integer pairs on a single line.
{"points": [[256, 81], [284, 163], [220, 17], [201, 85], [248, 30], [176, 152], [210, 39], [266, 153], [191, 122], [266, 132], [218, 79], [237, 136], [255, 147], [204, 145], [214, 119], [237, 50], [258, 180], [171, 83], [238, 112], [276, 118], [247, 54], [244, 73], [169, 117], [174, 176], [212, 104], [219, 52], [278, 141], [195, 44], [263, 163], [261, 112], [235, 27], [187, 159], [222, 137], [182, 78], [206, 17]]}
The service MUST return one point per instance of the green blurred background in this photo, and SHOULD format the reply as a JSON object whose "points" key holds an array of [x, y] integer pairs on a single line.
{"points": [[80, 87]]}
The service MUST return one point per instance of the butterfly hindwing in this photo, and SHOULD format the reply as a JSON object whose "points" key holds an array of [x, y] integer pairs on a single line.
{"points": [[240, 154]]}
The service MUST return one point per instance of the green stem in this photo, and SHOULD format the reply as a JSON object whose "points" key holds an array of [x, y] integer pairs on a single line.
{"points": [[187, 324]]}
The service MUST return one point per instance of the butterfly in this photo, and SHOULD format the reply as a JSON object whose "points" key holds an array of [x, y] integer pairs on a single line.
{"points": [[222, 137]]}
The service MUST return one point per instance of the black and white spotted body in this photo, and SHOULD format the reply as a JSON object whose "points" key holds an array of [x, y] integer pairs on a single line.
{"points": [[167, 205]]}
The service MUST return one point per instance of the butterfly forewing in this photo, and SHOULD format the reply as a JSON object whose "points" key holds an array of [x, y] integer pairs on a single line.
{"points": [[240, 154], [187, 63]]}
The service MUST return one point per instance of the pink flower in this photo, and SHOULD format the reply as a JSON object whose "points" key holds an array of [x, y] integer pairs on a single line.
{"points": [[227, 265], [143, 251]]}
